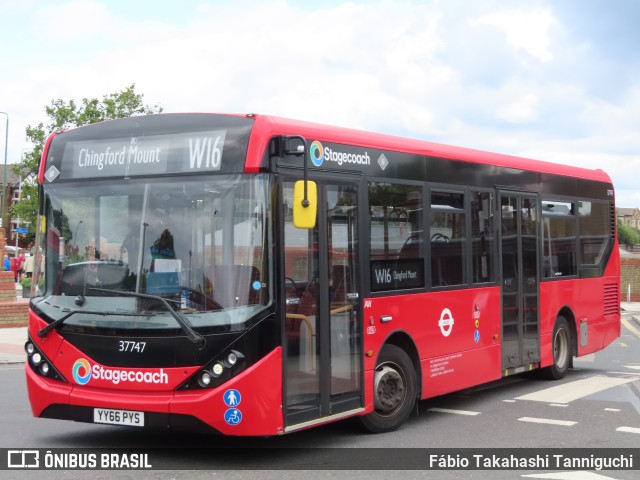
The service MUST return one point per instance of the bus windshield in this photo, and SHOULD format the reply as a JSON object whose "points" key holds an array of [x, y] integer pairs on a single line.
{"points": [[197, 242]]}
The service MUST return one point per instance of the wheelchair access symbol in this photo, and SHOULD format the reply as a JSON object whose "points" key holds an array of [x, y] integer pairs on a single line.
{"points": [[233, 416]]}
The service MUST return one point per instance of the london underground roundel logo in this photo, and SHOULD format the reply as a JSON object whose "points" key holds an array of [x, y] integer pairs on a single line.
{"points": [[446, 322], [316, 152], [82, 371]]}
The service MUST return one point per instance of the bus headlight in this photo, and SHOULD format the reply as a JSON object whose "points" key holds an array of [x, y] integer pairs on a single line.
{"points": [[36, 358], [232, 358], [205, 379], [217, 370], [40, 364]]}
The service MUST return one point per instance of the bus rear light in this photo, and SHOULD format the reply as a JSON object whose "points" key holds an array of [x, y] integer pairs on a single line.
{"points": [[41, 364]]}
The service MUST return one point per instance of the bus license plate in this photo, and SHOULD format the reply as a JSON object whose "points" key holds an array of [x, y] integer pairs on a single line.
{"points": [[118, 417]]}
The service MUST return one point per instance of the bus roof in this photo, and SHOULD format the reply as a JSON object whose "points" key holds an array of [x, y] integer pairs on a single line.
{"points": [[267, 126]]}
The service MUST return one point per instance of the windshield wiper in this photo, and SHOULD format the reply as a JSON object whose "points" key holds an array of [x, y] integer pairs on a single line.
{"points": [[56, 323], [191, 334]]}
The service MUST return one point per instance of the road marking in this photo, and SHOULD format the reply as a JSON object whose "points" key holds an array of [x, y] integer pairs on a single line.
{"points": [[622, 344], [579, 475], [548, 421], [630, 327], [632, 367], [625, 373], [571, 391], [628, 430], [611, 409], [558, 405], [457, 412], [509, 401]]}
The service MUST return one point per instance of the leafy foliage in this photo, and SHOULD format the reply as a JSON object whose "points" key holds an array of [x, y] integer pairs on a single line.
{"points": [[63, 116], [627, 235]]}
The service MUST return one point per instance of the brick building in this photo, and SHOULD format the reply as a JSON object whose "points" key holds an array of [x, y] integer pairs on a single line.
{"points": [[629, 217], [9, 197]]}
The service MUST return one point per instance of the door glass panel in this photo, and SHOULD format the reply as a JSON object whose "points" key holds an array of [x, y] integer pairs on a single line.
{"points": [[510, 267], [482, 241], [301, 290], [342, 216], [529, 265], [520, 331]]}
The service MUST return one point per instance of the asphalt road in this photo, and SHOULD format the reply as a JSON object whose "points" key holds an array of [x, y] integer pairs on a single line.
{"points": [[596, 406]]}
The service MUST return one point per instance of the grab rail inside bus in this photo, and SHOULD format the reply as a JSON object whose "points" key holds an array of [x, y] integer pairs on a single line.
{"points": [[306, 320]]}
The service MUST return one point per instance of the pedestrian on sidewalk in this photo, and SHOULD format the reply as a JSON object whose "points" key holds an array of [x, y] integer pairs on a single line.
{"points": [[28, 266], [7, 264], [21, 260]]}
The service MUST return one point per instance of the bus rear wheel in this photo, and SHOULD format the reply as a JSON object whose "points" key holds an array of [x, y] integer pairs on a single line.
{"points": [[561, 350], [395, 391]]}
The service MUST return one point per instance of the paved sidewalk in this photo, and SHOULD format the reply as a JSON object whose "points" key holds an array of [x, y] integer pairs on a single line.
{"points": [[630, 308], [12, 340]]}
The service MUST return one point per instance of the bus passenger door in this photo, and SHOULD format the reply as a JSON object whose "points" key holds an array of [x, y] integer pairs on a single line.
{"points": [[322, 344], [520, 279]]}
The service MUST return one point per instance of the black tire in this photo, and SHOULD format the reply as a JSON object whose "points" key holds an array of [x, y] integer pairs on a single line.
{"points": [[395, 391], [562, 356]]}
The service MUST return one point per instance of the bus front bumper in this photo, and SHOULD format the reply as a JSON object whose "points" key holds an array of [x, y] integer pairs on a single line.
{"points": [[254, 408]]}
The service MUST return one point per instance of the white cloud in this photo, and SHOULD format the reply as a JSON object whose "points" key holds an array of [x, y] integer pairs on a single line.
{"points": [[526, 30], [74, 20], [396, 67], [80, 21], [522, 110]]}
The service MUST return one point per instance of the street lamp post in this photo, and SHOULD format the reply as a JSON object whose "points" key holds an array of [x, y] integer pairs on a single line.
{"points": [[4, 174]]}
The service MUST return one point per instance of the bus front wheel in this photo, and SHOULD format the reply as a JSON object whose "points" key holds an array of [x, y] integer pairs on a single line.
{"points": [[394, 393], [561, 350]]}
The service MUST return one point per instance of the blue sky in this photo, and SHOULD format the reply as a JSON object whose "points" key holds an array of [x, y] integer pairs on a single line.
{"points": [[552, 80]]}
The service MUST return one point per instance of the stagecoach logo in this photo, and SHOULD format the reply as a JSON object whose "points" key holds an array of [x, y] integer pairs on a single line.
{"points": [[320, 154], [317, 153], [83, 372], [446, 322]]}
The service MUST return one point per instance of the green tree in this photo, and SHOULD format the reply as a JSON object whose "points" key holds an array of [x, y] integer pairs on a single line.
{"points": [[627, 235], [63, 116]]}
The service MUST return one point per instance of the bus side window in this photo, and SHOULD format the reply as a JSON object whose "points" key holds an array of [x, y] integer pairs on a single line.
{"points": [[595, 231], [559, 242], [396, 236], [448, 238]]}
